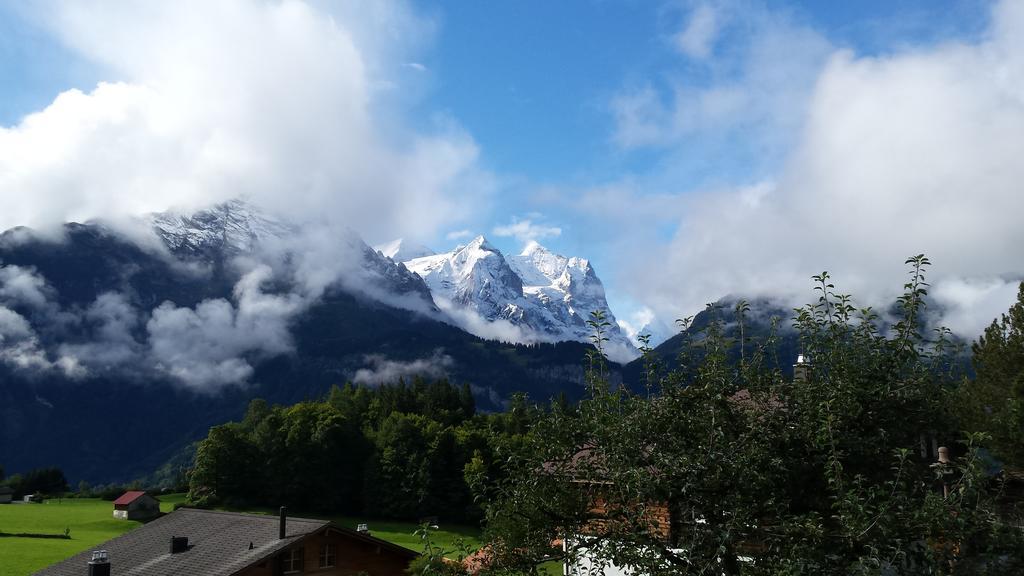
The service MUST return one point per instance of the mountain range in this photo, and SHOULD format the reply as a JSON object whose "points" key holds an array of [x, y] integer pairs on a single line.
{"points": [[118, 350], [535, 295]]}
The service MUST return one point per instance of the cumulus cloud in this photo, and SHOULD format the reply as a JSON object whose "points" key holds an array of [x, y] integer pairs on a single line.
{"points": [[111, 322], [292, 103], [526, 230], [20, 347], [297, 106], [22, 286], [209, 346], [882, 157], [383, 370]]}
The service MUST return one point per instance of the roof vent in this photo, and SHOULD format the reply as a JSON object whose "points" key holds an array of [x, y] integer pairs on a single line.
{"points": [[100, 564], [179, 544]]}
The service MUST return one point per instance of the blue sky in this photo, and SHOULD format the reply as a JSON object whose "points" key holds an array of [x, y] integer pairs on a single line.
{"points": [[666, 141]]}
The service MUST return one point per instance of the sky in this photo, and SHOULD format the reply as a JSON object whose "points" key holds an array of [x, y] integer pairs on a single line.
{"points": [[690, 149]]}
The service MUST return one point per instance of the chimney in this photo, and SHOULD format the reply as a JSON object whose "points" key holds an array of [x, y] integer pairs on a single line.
{"points": [[179, 544], [802, 369], [100, 564], [283, 522], [944, 468]]}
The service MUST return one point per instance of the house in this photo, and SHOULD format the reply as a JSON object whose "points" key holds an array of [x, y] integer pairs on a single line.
{"points": [[136, 505], [213, 543], [6, 494]]}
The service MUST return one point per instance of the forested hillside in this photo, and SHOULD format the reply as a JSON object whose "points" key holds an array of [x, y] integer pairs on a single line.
{"points": [[402, 451]]}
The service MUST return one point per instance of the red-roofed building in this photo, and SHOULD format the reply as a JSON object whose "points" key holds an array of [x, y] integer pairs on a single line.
{"points": [[136, 505]]}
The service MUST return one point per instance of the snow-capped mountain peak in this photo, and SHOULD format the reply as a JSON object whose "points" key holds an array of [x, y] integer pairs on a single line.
{"points": [[476, 276], [548, 295], [236, 226]]}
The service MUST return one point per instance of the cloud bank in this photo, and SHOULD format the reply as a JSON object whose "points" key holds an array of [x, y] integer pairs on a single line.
{"points": [[296, 105], [868, 159]]}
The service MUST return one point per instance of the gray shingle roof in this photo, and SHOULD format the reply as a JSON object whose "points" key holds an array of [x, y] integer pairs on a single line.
{"points": [[218, 545]]}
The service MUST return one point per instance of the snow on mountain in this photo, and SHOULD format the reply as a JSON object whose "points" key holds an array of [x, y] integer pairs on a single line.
{"points": [[402, 250], [474, 276], [235, 227], [238, 228], [547, 295], [533, 296]]}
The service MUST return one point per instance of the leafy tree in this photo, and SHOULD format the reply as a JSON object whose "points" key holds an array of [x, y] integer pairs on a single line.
{"points": [[224, 468], [731, 469], [395, 450], [994, 400]]}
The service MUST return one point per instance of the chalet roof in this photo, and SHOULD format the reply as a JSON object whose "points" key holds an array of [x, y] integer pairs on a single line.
{"points": [[6, 490], [218, 544], [129, 497]]}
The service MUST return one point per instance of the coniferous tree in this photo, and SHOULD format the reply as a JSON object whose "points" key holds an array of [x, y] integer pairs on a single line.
{"points": [[994, 400]]}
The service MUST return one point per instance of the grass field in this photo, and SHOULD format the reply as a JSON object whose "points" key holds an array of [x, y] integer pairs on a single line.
{"points": [[91, 522]]}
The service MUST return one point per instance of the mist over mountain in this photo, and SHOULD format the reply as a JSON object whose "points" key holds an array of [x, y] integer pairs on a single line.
{"points": [[117, 350]]}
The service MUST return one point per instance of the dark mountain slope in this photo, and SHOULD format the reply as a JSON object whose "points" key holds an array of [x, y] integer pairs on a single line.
{"points": [[118, 424], [757, 328]]}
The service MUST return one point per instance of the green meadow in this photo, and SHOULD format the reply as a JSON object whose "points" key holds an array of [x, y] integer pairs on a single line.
{"points": [[90, 521]]}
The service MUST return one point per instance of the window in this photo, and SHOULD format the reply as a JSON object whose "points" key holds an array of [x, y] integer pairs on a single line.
{"points": [[327, 556], [291, 560]]}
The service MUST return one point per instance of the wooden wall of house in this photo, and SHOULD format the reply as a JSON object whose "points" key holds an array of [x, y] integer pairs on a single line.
{"points": [[352, 556], [656, 513]]}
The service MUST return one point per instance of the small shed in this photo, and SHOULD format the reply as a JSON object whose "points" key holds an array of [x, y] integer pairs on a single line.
{"points": [[136, 505], [6, 494]]}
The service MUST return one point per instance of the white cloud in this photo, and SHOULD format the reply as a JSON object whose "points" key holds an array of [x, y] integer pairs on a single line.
{"points": [[697, 38], [897, 154], [20, 347], [526, 230], [23, 286], [498, 329], [383, 370], [970, 305], [208, 347], [459, 234], [287, 102], [112, 345], [756, 95]]}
